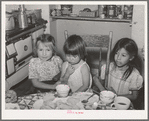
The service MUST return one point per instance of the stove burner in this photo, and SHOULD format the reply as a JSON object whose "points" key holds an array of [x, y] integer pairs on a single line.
{"points": [[11, 33]]}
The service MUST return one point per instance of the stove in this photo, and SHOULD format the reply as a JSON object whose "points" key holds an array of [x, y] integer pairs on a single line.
{"points": [[16, 31]]}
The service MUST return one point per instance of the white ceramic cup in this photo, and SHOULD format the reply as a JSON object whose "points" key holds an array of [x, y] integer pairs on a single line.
{"points": [[121, 103], [62, 90], [107, 96]]}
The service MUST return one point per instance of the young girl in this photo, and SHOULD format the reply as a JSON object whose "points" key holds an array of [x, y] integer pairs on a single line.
{"points": [[124, 78], [75, 70], [47, 65]]}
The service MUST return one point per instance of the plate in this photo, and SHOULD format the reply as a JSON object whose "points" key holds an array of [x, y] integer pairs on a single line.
{"points": [[85, 95], [12, 106]]}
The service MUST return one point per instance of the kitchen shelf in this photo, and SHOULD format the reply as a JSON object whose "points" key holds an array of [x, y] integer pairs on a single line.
{"points": [[91, 19]]}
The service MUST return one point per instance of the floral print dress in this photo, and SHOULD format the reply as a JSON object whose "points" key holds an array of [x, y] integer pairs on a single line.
{"points": [[44, 70]]}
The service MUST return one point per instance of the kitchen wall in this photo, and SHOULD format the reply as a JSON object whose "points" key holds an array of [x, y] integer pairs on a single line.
{"points": [[137, 32], [138, 25], [80, 27]]}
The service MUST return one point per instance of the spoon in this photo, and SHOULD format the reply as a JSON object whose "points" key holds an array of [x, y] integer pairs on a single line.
{"points": [[85, 101]]}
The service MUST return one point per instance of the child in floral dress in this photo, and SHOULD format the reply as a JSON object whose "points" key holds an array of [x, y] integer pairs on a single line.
{"points": [[47, 65]]}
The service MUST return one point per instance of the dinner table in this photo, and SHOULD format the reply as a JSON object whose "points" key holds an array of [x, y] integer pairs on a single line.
{"points": [[27, 102]]}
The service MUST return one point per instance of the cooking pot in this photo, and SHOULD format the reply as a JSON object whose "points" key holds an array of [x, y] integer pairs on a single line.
{"points": [[9, 21]]}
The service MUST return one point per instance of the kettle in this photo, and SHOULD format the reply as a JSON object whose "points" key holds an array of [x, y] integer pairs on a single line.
{"points": [[22, 17]]}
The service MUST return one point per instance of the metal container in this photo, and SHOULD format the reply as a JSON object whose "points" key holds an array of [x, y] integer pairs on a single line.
{"points": [[111, 11], [22, 18], [10, 22]]}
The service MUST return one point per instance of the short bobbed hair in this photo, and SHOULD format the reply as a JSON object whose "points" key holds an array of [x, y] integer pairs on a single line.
{"points": [[75, 45]]}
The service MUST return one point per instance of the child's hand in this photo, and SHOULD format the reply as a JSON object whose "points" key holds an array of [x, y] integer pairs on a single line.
{"points": [[70, 70], [10, 96], [64, 82]]}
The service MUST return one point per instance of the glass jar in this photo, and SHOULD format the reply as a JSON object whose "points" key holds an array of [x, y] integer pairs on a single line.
{"points": [[128, 10], [111, 11], [102, 10], [118, 10]]}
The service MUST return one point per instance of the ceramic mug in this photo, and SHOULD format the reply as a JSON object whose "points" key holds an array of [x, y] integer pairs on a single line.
{"points": [[121, 103]]}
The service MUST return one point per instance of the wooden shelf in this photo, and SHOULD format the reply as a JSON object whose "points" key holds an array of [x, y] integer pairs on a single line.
{"points": [[91, 19]]}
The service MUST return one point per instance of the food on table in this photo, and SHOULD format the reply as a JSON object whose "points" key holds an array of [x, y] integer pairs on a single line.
{"points": [[10, 96], [49, 97], [72, 102], [64, 106], [48, 105], [95, 105], [12, 106]]}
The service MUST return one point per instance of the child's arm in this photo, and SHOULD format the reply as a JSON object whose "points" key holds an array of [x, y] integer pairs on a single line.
{"points": [[85, 78], [38, 84], [57, 77], [66, 72], [59, 63], [132, 96], [99, 83]]}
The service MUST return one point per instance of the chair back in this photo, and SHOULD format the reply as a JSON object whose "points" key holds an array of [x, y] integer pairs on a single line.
{"points": [[95, 45]]}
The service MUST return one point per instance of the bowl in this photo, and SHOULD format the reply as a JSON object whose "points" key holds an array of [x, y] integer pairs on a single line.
{"points": [[107, 96], [62, 90], [121, 103]]}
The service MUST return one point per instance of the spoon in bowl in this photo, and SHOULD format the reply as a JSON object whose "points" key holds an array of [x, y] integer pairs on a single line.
{"points": [[85, 101]]}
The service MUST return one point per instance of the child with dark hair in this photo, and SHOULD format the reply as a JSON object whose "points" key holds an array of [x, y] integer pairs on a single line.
{"points": [[124, 78], [75, 70]]}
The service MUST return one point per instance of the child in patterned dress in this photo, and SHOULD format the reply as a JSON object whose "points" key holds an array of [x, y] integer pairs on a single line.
{"points": [[75, 70], [43, 69], [124, 78], [46, 65]]}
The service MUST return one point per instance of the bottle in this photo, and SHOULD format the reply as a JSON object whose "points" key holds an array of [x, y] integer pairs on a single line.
{"points": [[119, 13], [102, 10], [118, 10], [128, 9]]}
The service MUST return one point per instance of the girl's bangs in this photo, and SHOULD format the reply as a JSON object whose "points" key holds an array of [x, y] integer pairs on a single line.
{"points": [[49, 44], [71, 51]]}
